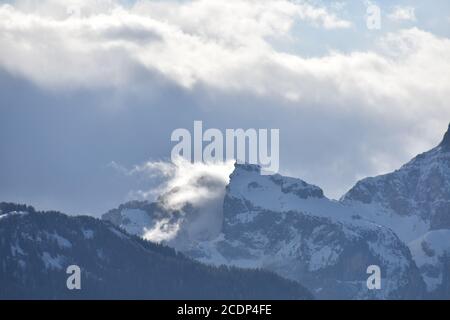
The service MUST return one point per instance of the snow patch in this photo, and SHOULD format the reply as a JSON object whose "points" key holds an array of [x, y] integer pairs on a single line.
{"points": [[62, 242], [427, 252], [136, 221], [323, 257], [16, 250], [88, 234], [52, 262]]}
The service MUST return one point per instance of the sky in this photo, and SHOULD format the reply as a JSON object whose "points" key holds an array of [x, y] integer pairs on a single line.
{"points": [[90, 91]]}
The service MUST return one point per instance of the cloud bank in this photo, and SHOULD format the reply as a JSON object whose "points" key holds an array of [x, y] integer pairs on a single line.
{"points": [[343, 115], [103, 42], [224, 46]]}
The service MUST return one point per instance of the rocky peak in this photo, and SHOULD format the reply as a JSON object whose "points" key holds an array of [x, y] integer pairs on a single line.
{"points": [[445, 144], [247, 180], [247, 167]]}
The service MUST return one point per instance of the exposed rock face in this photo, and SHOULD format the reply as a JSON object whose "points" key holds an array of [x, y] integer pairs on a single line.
{"points": [[414, 201], [288, 226], [431, 252], [420, 188], [445, 144]]}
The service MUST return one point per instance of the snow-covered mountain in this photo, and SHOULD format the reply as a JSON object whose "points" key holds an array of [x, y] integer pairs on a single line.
{"points": [[37, 247], [416, 197], [398, 221], [287, 226], [414, 201], [431, 252]]}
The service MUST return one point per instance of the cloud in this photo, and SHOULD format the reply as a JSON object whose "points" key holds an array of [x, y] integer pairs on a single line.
{"points": [[163, 230], [401, 13], [196, 190], [371, 108], [102, 44], [224, 46], [221, 45]]}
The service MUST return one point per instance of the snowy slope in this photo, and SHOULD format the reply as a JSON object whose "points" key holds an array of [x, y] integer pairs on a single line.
{"points": [[429, 251], [288, 226], [411, 200], [149, 221], [414, 201]]}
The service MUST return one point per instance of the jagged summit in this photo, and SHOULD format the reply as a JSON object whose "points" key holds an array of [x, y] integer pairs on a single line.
{"points": [[412, 200], [288, 226], [247, 179], [400, 220], [445, 144], [248, 167]]}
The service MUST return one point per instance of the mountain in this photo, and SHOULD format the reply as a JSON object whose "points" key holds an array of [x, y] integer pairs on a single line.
{"points": [[399, 221], [37, 247], [414, 201], [416, 197], [431, 252], [288, 226]]}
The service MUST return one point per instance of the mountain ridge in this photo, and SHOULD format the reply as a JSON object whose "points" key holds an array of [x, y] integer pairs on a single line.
{"points": [[399, 221], [388, 214], [36, 248], [445, 143]]}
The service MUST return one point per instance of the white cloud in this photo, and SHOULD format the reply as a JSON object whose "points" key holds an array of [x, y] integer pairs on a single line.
{"points": [[226, 47], [195, 189], [163, 230], [400, 13], [222, 45], [186, 41]]}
